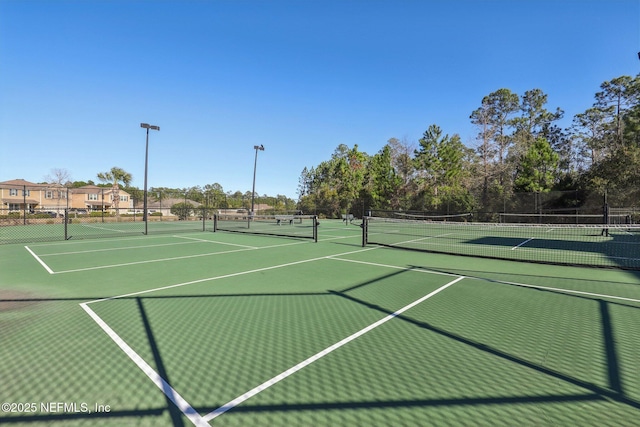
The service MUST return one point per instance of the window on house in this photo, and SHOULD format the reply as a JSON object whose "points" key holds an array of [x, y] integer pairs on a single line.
{"points": [[13, 192], [48, 194], [93, 196]]}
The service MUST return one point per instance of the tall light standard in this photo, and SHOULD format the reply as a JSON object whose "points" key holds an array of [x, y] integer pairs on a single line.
{"points": [[255, 163], [146, 164]]}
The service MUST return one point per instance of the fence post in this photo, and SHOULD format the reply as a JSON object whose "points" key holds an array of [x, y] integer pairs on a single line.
{"points": [[66, 221], [24, 205]]}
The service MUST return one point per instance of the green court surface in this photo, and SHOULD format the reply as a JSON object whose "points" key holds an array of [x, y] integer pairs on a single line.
{"points": [[231, 329]]}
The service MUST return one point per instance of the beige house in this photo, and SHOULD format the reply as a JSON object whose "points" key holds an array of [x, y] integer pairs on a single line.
{"points": [[19, 195], [94, 198]]}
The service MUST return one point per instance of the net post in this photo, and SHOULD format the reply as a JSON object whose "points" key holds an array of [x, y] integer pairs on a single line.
{"points": [[204, 218], [365, 224], [605, 219], [215, 222], [315, 228]]}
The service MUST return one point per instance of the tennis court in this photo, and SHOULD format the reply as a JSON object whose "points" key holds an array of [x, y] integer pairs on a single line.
{"points": [[234, 329]]}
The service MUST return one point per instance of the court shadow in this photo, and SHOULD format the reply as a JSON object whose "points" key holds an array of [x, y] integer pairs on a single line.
{"points": [[592, 392], [615, 392], [620, 249], [176, 415]]}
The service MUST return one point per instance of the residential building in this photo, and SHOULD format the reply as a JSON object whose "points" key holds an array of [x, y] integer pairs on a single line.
{"points": [[94, 198], [20, 195]]}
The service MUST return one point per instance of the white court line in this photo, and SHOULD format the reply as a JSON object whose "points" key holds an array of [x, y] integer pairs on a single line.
{"points": [[98, 241], [422, 238], [524, 285], [160, 382], [523, 243], [108, 229], [396, 267], [126, 248], [100, 267], [285, 244], [566, 291], [265, 385], [546, 288], [339, 237], [125, 264], [184, 406], [225, 276], [213, 241], [46, 267]]}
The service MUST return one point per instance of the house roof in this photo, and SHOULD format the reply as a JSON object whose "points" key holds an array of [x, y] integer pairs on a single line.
{"points": [[24, 183], [20, 201], [90, 189], [21, 183], [93, 189], [98, 203], [17, 182]]}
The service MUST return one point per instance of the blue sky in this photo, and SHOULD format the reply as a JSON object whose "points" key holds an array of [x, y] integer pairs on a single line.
{"points": [[300, 77]]}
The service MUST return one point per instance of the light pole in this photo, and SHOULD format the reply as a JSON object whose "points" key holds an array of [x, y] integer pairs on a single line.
{"points": [[146, 164], [255, 163]]}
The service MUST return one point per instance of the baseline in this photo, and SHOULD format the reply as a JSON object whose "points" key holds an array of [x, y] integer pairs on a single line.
{"points": [[42, 263], [225, 276], [126, 248], [116, 230], [213, 241], [100, 267]]}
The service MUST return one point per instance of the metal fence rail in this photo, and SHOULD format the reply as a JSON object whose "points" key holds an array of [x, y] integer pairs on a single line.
{"points": [[18, 226]]}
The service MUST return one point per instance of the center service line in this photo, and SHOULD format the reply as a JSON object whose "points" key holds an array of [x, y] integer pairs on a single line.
{"points": [[523, 243], [238, 400]]}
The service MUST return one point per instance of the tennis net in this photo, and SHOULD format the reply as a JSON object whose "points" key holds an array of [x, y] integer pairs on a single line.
{"points": [[297, 226], [612, 245], [564, 218]]}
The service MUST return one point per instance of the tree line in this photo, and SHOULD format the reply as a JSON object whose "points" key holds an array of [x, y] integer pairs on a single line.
{"points": [[519, 147], [210, 195]]}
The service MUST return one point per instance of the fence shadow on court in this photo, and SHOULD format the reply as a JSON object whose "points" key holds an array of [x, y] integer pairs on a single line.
{"points": [[614, 392], [592, 392]]}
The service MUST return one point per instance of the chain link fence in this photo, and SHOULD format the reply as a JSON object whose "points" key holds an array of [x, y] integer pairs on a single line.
{"points": [[40, 212], [560, 207]]}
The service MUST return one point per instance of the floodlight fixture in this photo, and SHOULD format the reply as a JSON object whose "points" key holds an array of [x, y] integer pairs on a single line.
{"points": [[148, 126]]}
